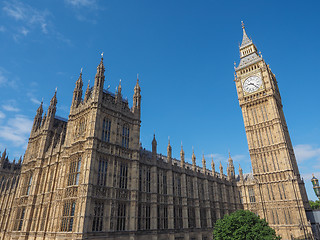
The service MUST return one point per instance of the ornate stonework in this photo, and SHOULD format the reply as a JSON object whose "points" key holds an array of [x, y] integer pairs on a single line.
{"points": [[87, 177]]}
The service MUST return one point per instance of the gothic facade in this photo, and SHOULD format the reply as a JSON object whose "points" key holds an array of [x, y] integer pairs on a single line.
{"points": [[87, 177]]}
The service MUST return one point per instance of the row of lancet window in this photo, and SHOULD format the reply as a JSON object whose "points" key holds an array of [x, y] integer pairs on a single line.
{"points": [[102, 172], [247, 51], [97, 216], [249, 69], [27, 184], [19, 218], [68, 215], [74, 172], [145, 179], [125, 136], [252, 197], [106, 126], [8, 183], [144, 209], [106, 130]]}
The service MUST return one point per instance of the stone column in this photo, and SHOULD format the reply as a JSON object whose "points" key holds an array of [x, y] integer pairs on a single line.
{"points": [[207, 202], [170, 198], [134, 196], [184, 200], [196, 202], [154, 189]]}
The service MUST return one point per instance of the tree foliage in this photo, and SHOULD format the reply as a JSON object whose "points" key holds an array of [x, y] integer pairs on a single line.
{"points": [[243, 225], [315, 205]]}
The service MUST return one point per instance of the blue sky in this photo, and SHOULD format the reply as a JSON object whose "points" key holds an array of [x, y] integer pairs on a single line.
{"points": [[184, 53]]}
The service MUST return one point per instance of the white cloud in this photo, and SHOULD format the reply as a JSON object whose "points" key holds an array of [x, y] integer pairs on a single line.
{"points": [[2, 115], [217, 157], [30, 17], [4, 79], [10, 108], [34, 100], [24, 31], [81, 3], [305, 152], [16, 130]]}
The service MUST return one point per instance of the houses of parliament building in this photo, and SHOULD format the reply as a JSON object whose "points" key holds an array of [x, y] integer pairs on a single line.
{"points": [[87, 177]]}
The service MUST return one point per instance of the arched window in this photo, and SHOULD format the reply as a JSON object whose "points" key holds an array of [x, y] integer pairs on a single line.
{"points": [[125, 136], [82, 126], [106, 126], [74, 172]]}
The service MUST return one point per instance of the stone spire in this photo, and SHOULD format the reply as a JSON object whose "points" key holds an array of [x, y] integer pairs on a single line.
{"points": [[53, 104], [40, 109], [194, 166], [154, 148], [87, 94], [213, 169], [230, 169], [119, 88], [240, 173], [3, 157], [118, 93], [182, 156], [77, 92], [204, 164], [51, 111], [38, 118], [44, 118], [248, 52], [221, 170], [99, 79], [137, 98], [245, 39], [169, 152]]}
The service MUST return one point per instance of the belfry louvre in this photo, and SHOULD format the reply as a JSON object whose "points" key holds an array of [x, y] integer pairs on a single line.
{"points": [[87, 177]]}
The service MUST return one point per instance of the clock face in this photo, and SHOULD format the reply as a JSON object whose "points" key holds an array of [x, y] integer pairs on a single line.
{"points": [[252, 84]]}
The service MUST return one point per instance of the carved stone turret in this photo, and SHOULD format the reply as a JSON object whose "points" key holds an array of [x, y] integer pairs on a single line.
{"points": [[77, 92], [182, 156], [51, 111], [137, 99], [204, 164], [99, 80], [37, 119], [230, 169], [169, 152], [87, 94], [221, 170], [240, 173], [154, 148], [118, 93], [213, 167], [194, 166]]}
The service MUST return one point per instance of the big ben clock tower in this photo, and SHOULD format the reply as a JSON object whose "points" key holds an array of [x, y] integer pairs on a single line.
{"points": [[279, 193]]}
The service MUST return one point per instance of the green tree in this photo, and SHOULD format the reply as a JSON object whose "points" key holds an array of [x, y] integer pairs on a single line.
{"points": [[243, 225], [315, 204]]}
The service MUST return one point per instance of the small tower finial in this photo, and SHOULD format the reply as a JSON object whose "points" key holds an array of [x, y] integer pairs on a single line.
{"points": [[56, 90], [242, 24], [81, 70], [102, 55]]}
